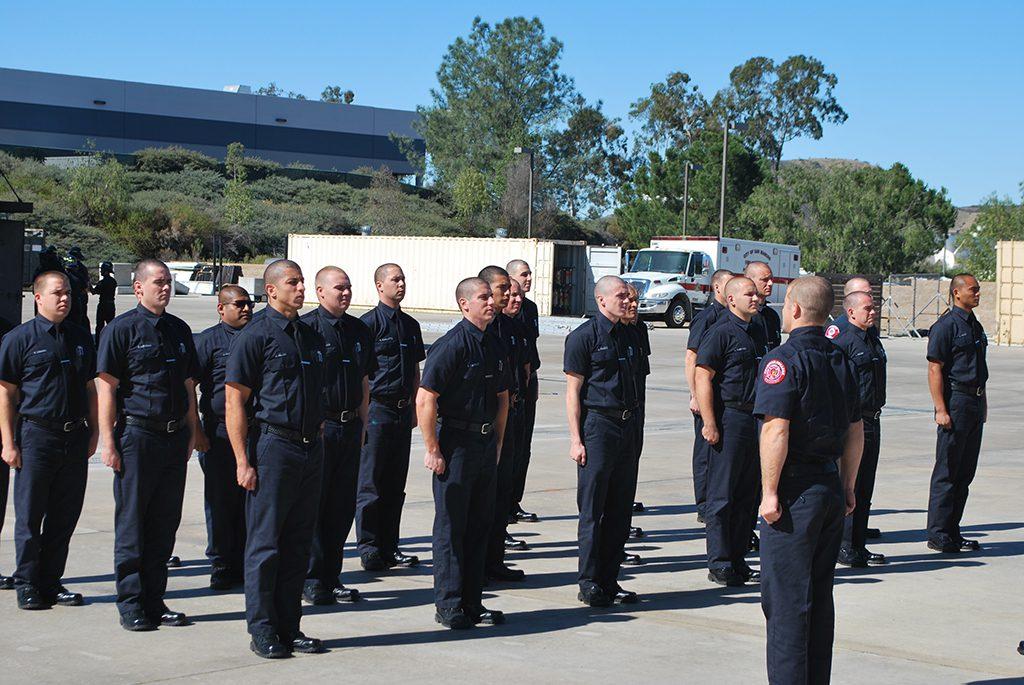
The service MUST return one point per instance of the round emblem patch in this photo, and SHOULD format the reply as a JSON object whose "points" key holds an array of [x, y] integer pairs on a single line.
{"points": [[774, 372], [832, 331]]}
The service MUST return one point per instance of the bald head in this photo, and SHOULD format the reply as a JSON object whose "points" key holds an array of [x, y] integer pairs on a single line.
{"points": [[857, 284], [754, 269], [517, 265], [383, 271], [856, 299], [965, 291], [814, 296], [468, 287], [329, 274], [606, 285], [231, 292], [718, 281], [276, 271], [736, 285]]}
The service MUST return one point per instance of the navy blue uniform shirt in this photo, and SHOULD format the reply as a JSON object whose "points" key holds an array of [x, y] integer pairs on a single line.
{"points": [[644, 367], [837, 327], [809, 381], [465, 368], [349, 354], [607, 355], [529, 316], [212, 350], [703, 322], [398, 346], [282, 361], [864, 350], [733, 350], [513, 336], [106, 288], [151, 357], [51, 365], [958, 340], [767, 319]]}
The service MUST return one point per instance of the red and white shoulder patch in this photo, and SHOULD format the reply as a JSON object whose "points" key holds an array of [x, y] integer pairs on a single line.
{"points": [[774, 372], [831, 332]]}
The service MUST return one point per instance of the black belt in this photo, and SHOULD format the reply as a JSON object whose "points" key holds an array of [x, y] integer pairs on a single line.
{"points": [[343, 417], [963, 388], [58, 425], [155, 425], [620, 414], [747, 407], [872, 415], [393, 402], [481, 428], [287, 433], [810, 468]]}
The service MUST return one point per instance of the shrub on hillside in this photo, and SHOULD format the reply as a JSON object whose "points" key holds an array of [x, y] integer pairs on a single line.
{"points": [[205, 184], [165, 160]]}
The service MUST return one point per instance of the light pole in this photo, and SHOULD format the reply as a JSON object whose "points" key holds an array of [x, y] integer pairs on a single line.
{"points": [[725, 153], [529, 201], [686, 189]]}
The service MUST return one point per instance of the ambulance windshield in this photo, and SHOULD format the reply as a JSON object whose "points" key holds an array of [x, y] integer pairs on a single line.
{"points": [[660, 261]]}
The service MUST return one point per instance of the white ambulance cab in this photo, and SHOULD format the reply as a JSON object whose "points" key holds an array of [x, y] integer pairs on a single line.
{"points": [[673, 275]]}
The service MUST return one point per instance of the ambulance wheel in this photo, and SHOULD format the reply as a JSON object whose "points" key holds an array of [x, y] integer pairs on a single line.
{"points": [[679, 312]]}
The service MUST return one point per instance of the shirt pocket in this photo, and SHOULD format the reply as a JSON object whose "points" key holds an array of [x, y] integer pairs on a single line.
{"points": [[286, 366], [38, 364], [147, 360], [605, 359]]}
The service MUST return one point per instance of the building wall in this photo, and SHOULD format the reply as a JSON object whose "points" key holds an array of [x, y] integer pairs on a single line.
{"points": [[1010, 292], [58, 112]]}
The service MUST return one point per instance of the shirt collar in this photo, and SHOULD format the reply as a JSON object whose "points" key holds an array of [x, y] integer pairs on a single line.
{"points": [[473, 330], [390, 312], [963, 313], [148, 315], [327, 316], [807, 330], [737, 320], [45, 323], [604, 324], [862, 334], [231, 330], [277, 318]]}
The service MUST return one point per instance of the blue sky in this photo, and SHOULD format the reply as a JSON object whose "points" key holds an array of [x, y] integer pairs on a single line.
{"points": [[936, 85]]}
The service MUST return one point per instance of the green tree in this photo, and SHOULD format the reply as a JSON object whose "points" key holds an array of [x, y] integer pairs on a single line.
{"points": [[274, 90], [999, 219], [99, 191], [779, 103], [238, 202], [673, 114], [337, 95], [470, 197]]}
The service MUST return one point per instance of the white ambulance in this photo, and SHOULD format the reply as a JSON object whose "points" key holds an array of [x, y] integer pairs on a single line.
{"points": [[673, 275]]}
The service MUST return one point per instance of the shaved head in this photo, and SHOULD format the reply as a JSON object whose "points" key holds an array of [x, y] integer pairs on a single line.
{"points": [[814, 295], [719, 278], [517, 265], [737, 284], [467, 287], [857, 284], [606, 284], [754, 269], [492, 273], [231, 292], [960, 281], [275, 271], [855, 299], [41, 280], [144, 268], [323, 274], [382, 271]]}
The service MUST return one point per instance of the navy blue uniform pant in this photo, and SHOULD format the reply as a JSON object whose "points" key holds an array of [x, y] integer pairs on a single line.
{"points": [[700, 465], [49, 489], [280, 515], [504, 482], [798, 562], [855, 529], [5, 479], [732, 489], [224, 502], [605, 487], [148, 492], [521, 462], [342, 444], [463, 511], [956, 461], [383, 471]]}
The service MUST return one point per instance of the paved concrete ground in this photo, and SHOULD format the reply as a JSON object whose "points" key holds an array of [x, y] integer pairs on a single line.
{"points": [[924, 618]]}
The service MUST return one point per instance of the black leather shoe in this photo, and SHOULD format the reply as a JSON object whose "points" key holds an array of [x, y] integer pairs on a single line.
{"points": [[700, 517], [346, 594], [638, 507], [513, 543], [221, 583], [173, 618], [307, 645], [1020, 648], [66, 598], [853, 558], [872, 534], [873, 559], [944, 547], [268, 648], [6, 583], [969, 545], [136, 622], [595, 597], [512, 520], [749, 575], [402, 559], [636, 532], [373, 561], [725, 576], [31, 599], [755, 543], [504, 573], [623, 596], [482, 614], [631, 559], [318, 595], [527, 516], [174, 562], [455, 619]]}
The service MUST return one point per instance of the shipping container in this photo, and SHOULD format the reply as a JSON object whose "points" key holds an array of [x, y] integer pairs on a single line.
{"points": [[563, 272], [1010, 292]]}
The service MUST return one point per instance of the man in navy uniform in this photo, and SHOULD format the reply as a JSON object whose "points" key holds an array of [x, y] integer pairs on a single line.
{"points": [[767, 319], [277, 363], [528, 315], [601, 364], [807, 395], [106, 288], [632, 318], [957, 373], [223, 497], [702, 322], [462, 407], [511, 334], [863, 348], [47, 367], [384, 466], [149, 425], [856, 284], [349, 359], [727, 365]]}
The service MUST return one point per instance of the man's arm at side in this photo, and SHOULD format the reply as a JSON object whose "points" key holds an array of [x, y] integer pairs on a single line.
{"points": [[574, 413], [938, 398], [237, 424], [106, 396], [705, 395], [11, 453], [690, 368], [774, 447], [849, 463], [426, 416]]}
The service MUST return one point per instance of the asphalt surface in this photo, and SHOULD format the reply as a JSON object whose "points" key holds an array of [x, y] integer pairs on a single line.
{"points": [[924, 618]]}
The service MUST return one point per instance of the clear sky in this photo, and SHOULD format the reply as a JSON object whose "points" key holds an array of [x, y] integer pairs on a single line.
{"points": [[934, 84]]}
